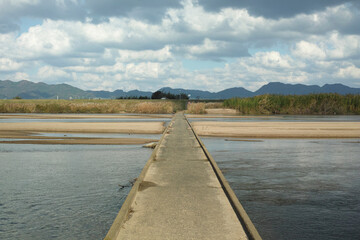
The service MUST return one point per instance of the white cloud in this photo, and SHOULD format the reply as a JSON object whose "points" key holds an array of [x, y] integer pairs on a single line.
{"points": [[52, 74], [208, 46], [21, 76], [7, 64], [43, 41], [116, 68], [142, 71], [160, 55], [349, 72], [107, 32], [332, 46], [197, 19], [341, 47], [272, 59], [123, 50], [308, 50], [17, 76], [18, 3]]}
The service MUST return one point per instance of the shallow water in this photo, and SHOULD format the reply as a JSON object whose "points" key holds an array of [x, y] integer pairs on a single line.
{"points": [[295, 189], [64, 191], [292, 189]]}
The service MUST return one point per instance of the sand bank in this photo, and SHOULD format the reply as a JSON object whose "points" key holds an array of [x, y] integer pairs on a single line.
{"points": [[84, 127], [88, 141], [82, 116], [279, 129], [228, 116], [24, 137], [225, 111]]}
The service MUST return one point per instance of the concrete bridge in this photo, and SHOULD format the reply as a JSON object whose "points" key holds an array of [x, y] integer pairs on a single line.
{"points": [[181, 194]]}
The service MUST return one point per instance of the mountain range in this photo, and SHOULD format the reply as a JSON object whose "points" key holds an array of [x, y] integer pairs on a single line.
{"points": [[30, 90]]}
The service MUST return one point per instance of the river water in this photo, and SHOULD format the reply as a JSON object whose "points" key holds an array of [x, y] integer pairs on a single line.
{"points": [[64, 191], [291, 188], [295, 188]]}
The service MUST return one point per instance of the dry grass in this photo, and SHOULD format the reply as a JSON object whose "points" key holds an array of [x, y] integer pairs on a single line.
{"points": [[196, 108], [152, 107], [214, 105], [90, 106]]}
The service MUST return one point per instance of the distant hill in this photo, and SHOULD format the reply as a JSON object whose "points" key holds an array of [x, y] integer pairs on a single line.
{"points": [[270, 88], [234, 92], [300, 89], [30, 90], [287, 89], [118, 93], [198, 94]]}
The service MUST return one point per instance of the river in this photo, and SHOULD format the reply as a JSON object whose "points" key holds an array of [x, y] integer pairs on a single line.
{"points": [[291, 188], [64, 191], [295, 188]]}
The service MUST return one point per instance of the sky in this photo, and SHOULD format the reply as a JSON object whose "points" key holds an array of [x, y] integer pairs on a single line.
{"points": [[193, 44]]}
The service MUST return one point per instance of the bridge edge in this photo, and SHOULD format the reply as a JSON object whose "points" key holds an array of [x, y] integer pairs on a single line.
{"points": [[234, 201]]}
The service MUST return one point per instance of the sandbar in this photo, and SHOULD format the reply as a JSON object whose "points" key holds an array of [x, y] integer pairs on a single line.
{"points": [[86, 127], [278, 129], [224, 111], [230, 116], [83, 116], [25, 137], [87, 141]]}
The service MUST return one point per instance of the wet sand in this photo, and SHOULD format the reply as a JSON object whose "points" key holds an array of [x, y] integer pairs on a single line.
{"points": [[87, 141], [25, 133], [278, 129], [85, 127], [223, 111], [213, 115], [82, 116]]}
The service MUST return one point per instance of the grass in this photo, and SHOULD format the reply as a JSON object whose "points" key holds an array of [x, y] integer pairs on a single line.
{"points": [[321, 104], [91, 106], [196, 108], [214, 105], [325, 104]]}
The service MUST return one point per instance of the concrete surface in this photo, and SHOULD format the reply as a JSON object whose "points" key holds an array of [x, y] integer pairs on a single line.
{"points": [[180, 196]]}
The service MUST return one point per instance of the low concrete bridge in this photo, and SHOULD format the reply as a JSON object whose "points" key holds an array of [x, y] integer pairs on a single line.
{"points": [[181, 194]]}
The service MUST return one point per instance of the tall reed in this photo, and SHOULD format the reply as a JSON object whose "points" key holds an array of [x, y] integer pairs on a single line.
{"points": [[196, 108], [322, 104], [90, 106]]}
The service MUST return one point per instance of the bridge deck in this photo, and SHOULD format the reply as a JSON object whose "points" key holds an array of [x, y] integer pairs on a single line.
{"points": [[179, 195]]}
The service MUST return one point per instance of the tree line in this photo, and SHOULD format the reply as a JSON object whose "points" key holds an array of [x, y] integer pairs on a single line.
{"points": [[159, 95]]}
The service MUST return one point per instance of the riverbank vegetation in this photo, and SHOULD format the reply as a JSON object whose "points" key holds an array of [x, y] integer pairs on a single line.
{"points": [[321, 104], [91, 106], [195, 108]]}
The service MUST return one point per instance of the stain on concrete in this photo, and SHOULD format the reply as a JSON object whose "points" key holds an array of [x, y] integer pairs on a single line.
{"points": [[145, 185]]}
